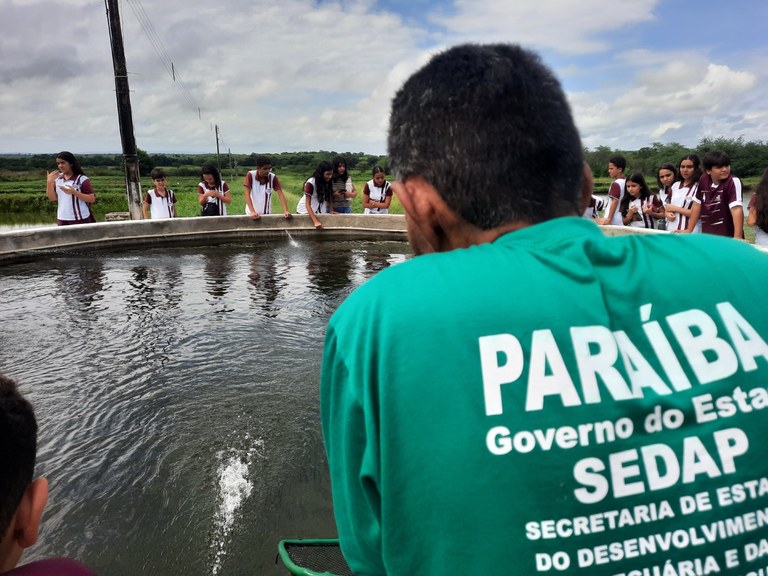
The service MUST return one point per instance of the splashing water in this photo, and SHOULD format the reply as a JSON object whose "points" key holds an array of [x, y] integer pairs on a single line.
{"points": [[291, 240], [234, 487]]}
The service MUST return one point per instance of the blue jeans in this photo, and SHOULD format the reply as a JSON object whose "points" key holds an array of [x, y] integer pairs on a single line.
{"points": [[343, 209]]}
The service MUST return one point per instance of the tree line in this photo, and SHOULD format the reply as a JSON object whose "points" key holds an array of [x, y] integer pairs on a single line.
{"points": [[749, 159], [189, 164]]}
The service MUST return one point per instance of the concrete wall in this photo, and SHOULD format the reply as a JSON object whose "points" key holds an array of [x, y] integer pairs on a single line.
{"points": [[37, 242]]}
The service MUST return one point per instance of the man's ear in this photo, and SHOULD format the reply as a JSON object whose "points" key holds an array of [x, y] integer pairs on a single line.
{"points": [[587, 184], [421, 204], [415, 194], [30, 512]]}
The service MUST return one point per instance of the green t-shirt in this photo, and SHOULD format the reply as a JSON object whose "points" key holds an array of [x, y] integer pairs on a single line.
{"points": [[554, 402]]}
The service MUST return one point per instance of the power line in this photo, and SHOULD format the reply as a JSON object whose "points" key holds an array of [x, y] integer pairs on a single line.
{"points": [[157, 44], [154, 39]]}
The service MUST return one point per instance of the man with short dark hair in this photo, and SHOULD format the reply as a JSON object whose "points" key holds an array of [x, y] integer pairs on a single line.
{"points": [[524, 396], [258, 187], [22, 498], [718, 200]]}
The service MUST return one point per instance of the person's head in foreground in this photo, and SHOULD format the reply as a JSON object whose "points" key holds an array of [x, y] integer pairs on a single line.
{"points": [[473, 123], [22, 499], [527, 395]]}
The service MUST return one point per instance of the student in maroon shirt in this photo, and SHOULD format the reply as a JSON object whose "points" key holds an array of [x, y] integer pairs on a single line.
{"points": [[718, 201]]}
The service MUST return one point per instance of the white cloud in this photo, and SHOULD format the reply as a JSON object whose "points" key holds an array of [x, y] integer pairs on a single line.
{"points": [[306, 74], [559, 25], [683, 99]]}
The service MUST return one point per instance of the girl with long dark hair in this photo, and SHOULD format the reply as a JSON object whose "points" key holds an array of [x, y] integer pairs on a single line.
{"points": [[318, 193], [758, 211], [72, 189], [343, 187], [679, 207], [639, 207], [212, 192], [377, 193]]}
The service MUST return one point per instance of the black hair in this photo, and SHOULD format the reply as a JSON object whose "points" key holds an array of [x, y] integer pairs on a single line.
{"points": [[157, 173], [490, 129], [18, 448], [675, 175], [761, 202], [376, 169], [337, 160], [77, 170], [213, 171], [619, 162], [715, 158], [323, 189], [696, 167], [645, 192], [262, 161]]}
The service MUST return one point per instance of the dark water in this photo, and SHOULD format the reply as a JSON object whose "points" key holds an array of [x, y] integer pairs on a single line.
{"points": [[177, 395]]}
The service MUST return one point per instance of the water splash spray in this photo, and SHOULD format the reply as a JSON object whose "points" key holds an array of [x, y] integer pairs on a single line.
{"points": [[234, 487], [291, 240]]}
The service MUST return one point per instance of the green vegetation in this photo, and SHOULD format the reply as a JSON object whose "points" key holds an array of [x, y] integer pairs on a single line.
{"points": [[749, 159], [189, 164]]}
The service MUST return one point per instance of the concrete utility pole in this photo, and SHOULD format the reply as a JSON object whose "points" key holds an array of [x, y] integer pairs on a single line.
{"points": [[218, 160], [130, 157]]}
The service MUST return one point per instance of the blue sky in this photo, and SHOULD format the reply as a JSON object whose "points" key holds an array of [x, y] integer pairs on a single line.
{"points": [[320, 74]]}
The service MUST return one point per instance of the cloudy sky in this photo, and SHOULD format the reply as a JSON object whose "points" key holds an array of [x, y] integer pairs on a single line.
{"points": [[290, 75]]}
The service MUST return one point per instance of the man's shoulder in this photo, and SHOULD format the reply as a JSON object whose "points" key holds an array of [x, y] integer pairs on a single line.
{"points": [[698, 253]]}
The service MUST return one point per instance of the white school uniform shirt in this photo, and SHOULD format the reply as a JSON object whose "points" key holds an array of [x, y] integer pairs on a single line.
{"points": [[684, 197], [221, 203], [596, 205], [160, 207], [616, 221], [377, 194], [646, 220], [261, 194], [317, 206], [71, 207]]}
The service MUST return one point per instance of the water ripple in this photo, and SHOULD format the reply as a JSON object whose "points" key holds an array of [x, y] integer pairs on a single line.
{"points": [[177, 397]]}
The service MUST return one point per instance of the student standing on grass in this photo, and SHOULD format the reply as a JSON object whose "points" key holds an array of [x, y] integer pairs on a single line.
{"points": [[159, 202], [212, 192], [528, 395], [72, 189], [679, 208], [318, 193], [718, 201], [616, 167], [377, 193], [343, 188], [666, 176], [758, 211], [259, 185]]}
